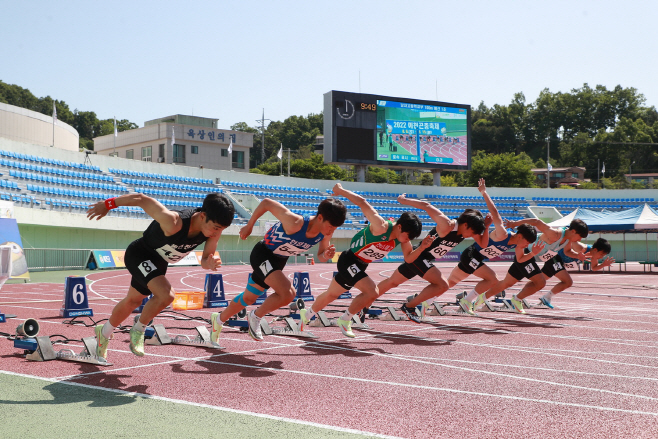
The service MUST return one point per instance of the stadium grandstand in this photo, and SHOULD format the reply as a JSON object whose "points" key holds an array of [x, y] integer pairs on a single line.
{"points": [[49, 190]]}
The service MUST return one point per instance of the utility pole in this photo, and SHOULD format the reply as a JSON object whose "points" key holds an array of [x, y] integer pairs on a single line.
{"points": [[262, 138], [548, 162]]}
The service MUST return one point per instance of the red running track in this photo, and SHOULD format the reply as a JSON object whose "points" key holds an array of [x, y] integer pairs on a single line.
{"points": [[588, 369]]}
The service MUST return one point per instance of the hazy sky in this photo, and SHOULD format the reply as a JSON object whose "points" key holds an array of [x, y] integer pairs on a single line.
{"points": [[141, 60]]}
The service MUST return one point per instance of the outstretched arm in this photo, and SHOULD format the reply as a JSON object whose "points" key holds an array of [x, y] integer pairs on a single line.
{"points": [[443, 224], [169, 221], [521, 256], [549, 233], [500, 232], [410, 254], [291, 222], [377, 224]]}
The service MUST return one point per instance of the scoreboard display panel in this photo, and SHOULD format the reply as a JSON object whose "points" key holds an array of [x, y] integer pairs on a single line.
{"points": [[396, 132]]}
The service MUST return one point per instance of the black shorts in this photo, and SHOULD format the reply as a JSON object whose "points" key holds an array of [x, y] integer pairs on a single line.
{"points": [[525, 269], [470, 260], [144, 265], [419, 267], [350, 270], [264, 262], [553, 266]]}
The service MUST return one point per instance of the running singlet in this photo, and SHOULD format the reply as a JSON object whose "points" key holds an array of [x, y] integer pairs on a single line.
{"points": [[175, 247], [282, 244], [441, 246], [369, 247], [495, 248], [551, 250], [570, 262]]}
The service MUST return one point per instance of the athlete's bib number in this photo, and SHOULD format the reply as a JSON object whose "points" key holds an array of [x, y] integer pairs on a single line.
{"points": [[353, 270], [474, 263], [371, 254], [571, 265], [170, 254], [491, 252], [547, 256], [266, 267], [440, 251], [288, 250], [147, 268]]}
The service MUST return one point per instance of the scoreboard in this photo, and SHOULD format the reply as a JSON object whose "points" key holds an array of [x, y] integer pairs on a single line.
{"points": [[364, 129]]}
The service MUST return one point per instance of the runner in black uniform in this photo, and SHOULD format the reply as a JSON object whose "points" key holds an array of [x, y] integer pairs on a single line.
{"points": [[449, 233], [168, 239]]}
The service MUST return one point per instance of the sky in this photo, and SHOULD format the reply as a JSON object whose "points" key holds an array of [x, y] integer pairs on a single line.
{"points": [[232, 60]]}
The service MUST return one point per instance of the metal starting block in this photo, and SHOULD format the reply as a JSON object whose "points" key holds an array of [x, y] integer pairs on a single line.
{"points": [[291, 329], [321, 319], [388, 314], [41, 349], [501, 304], [439, 309], [202, 340]]}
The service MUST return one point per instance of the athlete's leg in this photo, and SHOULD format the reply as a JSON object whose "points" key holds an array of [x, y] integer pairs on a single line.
{"points": [[488, 277], [438, 285], [534, 284], [126, 306], [163, 296], [565, 282], [456, 275], [392, 282], [248, 297], [369, 294], [500, 286], [282, 296], [328, 296]]}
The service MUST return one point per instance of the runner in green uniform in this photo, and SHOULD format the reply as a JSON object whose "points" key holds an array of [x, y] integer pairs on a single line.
{"points": [[370, 244]]}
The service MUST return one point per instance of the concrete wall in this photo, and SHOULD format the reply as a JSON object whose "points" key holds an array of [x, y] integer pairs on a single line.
{"points": [[28, 126]]}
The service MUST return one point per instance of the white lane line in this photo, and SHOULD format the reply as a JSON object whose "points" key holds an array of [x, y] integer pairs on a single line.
{"points": [[213, 407]]}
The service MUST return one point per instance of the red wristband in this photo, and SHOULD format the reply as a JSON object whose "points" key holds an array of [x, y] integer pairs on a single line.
{"points": [[110, 203]]}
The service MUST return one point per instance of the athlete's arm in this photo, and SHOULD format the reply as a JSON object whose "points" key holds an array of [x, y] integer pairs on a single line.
{"points": [[377, 224], [443, 224], [291, 222], [575, 250], [549, 234], [410, 254], [521, 256], [209, 260], [170, 222], [326, 250], [606, 262], [500, 232]]}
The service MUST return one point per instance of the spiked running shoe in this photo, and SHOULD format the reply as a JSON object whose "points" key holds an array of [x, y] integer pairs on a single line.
{"points": [[345, 327], [466, 306], [216, 327], [479, 301], [410, 313], [546, 302], [517, 304], [303, 321], [137, 342], [254, 327], [423, 309], [101, 342]]}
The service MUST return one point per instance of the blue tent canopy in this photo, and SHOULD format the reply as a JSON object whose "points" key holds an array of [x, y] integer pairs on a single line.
{"points": [[638, 219]]}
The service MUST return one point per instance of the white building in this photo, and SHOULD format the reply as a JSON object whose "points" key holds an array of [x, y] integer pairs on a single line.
{"points": [[196, 142], [27, 126]]}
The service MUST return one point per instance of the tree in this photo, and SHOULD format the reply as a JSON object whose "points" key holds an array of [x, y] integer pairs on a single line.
{"points": [[502, 170]]}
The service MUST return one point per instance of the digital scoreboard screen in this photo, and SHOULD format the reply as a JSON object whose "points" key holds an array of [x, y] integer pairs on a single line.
{"points": [[395, 132]]}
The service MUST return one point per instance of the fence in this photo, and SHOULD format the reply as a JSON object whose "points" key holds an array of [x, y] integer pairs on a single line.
{"points": [[45, 259]]}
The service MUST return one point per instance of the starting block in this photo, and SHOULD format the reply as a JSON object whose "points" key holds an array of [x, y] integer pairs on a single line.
{"points": [[389, 314], [161, 337], [291, 329], [41, 349], [214, 287], [75, 302], [321, 320]]}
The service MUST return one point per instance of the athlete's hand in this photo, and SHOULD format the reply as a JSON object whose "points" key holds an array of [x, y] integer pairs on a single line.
{"points": [[481, 186], [608, 261], [428, 240], [537, 247], [245, 231], [97, 210], [214, 262], [509, 224], [488, 220], [329, 252], [337, 189], [584, 256], [401, 198]]}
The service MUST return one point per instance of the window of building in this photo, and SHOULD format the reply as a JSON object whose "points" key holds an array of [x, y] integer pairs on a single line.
{"points": [[224, 152], [161, 151], [558, 174], [541, 177], [179, 153], [574, 175], [194, 149], [146, 154], [238, 159], [130, 154]]}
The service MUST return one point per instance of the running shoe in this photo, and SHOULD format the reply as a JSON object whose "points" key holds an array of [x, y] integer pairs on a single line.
{"points": [[479, 301], [254, 327], [101, 342], [466, 306], [303, 321], [517, 304], [546, 302], [345, 327], [137, 342], [423, 309], [216, 327], [410, 313]]}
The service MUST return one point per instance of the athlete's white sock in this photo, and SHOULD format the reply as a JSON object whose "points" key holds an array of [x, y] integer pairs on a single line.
{"points": [[310, 313], [219, 319], [139, 326], [107, 330], [472, 295], [548, 296], [347, 316], [253, 314]]}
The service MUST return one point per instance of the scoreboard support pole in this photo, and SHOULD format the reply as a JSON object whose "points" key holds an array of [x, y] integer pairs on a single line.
{"points": [[436, 175], [360, 173]]}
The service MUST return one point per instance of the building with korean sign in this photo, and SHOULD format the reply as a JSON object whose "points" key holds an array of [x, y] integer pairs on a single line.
{"points": [[181, 140]]}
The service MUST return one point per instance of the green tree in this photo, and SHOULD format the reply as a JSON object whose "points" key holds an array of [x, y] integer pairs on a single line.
{"points": [[502, 170]]}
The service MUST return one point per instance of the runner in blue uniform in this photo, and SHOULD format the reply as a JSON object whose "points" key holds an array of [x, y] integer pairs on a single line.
{"points": [[168, 239], [292, 235]]}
